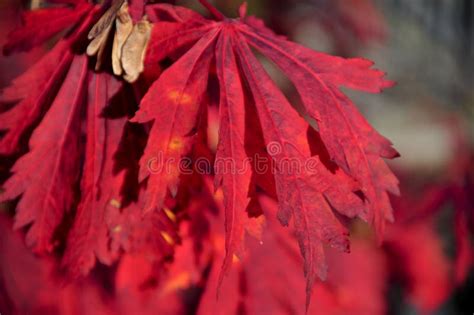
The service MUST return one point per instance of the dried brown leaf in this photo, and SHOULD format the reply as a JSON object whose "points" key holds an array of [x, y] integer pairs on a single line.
{"points": [[98, 43], [106, 20], [133, 52], [123, 29]]}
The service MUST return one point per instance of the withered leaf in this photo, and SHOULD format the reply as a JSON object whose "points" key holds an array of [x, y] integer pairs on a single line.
{"points": [[95, 45], [133, 52], [106, 20], [123, 28]]}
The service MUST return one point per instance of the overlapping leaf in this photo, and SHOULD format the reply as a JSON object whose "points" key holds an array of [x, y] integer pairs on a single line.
{"points": [[181, 89], [70, 95], [319, 173], [45, 177], [354, 286], [100, 187], [35, 90], [51, 22], [309, 196]]}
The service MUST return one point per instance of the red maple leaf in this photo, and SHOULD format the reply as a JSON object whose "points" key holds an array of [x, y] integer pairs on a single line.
{"points": [[100, 186], [320, 172], [45, 177], [69, 94], [35, 90], [355, 285], [309, 197]]}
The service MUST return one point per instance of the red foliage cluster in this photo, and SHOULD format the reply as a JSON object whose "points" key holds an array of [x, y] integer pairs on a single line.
{"points": [[427, 270], [102, 178]]}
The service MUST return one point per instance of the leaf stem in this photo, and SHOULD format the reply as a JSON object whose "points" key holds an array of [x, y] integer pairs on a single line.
{"points": [[216, 13]]}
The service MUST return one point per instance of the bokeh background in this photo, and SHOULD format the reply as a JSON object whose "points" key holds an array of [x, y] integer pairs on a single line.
{"points": [[427, 47]]}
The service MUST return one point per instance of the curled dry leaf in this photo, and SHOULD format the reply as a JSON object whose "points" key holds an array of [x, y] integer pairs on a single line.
{"points": [[100, 32], [123, 28], [129, 43], [97, 46], [133, 52], [106, 20]]}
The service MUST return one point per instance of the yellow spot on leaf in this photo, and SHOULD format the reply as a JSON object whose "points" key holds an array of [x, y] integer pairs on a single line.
{"points": [[170, 214], [117, 229], [255, 227], [180, 281], [219, 195], [115, 203], [180, 97], [176, 144], [167, 238], [235, 259]]}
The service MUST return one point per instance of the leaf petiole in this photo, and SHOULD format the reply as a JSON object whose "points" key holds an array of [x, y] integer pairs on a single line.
{"points": [[213, 10]]}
